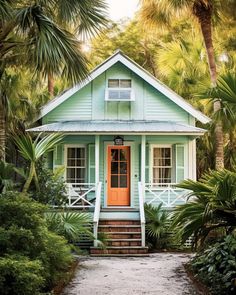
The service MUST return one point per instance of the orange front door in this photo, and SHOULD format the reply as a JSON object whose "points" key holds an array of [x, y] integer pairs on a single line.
{"points": [[118, 178]]}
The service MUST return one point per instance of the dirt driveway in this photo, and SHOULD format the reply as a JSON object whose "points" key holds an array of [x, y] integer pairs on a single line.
{"points": [[161, 273]]}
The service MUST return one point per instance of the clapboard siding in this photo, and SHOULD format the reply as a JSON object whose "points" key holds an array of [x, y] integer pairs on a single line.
{"points": [[89, 102], [77, 107]]}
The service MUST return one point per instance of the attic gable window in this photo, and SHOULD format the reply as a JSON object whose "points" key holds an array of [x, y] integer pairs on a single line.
{"points": [[119, 90]]}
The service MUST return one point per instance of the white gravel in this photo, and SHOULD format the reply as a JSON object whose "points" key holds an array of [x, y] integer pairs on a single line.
{"points": [[161, 273]]}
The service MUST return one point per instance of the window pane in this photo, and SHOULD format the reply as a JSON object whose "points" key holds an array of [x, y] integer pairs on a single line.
{"points": [[114, 94], [125, 94], [114, 167], [123, 155], [114, 154], [123, 167], [113, 83], [71, 162], [123, 181], [80, 163], [80, 152], [71, 153], [114, 181], [125, 83]]}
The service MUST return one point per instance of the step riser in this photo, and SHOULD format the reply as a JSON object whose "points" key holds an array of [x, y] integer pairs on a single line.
{"points": [[119, 229], [120, 244], [119, 222], [118, 251], [123, 236]]}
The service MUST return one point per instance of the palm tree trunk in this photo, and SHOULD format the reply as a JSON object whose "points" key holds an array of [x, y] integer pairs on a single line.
{"points": [[203, 12], [29, 179], [2, 133]]}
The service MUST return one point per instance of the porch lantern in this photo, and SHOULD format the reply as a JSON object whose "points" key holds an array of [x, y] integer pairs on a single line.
{"points": [[118, 140]]}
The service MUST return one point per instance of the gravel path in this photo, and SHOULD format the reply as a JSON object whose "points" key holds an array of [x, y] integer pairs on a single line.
{"points": [[161, 273]]}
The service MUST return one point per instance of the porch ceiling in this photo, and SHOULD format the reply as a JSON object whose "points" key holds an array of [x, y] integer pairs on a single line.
{"points": [[119, 127]]}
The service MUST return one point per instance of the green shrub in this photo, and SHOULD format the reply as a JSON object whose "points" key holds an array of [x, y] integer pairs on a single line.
{"points": [[24, 233], [20, 275], [216, 266], [52, 188]]}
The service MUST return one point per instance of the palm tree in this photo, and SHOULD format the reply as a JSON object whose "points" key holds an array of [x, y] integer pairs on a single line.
{"points": [[33, 151], [32, 35], [211, 205], [160, 12]]}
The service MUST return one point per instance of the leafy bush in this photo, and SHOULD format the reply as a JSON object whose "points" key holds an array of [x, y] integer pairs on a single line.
{"points": [[52, 188], [20, 275], [6, 176], [24, 236], [157, 226], [216, 266]]}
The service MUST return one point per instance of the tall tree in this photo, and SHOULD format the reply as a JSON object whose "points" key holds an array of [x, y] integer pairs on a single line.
{"points": [[160, 12], [32, 34]]}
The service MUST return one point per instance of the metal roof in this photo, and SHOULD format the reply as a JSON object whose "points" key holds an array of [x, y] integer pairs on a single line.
{"points": [[119, 127]]}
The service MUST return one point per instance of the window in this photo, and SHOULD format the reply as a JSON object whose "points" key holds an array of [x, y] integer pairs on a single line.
{"points": [[76, 165], [119, 90], [162, 165]]}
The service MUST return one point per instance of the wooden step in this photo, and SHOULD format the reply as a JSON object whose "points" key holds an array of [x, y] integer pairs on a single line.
{"points": [[119, 250]]}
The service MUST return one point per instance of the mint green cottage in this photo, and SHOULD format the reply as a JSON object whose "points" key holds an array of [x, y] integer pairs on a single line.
{"points": [[129, 139]]}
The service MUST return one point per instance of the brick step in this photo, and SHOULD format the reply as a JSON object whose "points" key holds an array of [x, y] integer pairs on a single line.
{"points": [[119, 243], [119, 250], [120, 255], [123, 235], [122, 228], [119, 222]]}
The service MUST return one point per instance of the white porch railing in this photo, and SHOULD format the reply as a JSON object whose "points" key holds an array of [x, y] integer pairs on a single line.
{"points": [[78, 195], [166, 193], [97, 212], [142, 214]]}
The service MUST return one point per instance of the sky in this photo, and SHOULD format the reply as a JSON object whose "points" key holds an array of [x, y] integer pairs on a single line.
{"points": [[122, 8]]}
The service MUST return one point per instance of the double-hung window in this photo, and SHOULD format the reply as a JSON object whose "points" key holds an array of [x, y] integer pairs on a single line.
{"points": [[76, 165], [162, 164], [119, 90]]}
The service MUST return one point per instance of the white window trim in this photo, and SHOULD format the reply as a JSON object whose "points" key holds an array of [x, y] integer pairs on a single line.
{"points": [[132, 95], [66, 146], [152, 146]]}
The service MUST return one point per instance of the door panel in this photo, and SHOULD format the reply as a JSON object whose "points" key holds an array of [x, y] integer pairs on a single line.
{"points": [[118, 178]]}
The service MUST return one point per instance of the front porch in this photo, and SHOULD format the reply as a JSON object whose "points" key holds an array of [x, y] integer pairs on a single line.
{"points": [[144, 169]]}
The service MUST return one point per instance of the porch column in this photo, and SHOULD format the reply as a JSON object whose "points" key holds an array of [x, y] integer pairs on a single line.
{"points": [[97, 142], [143, 163]]}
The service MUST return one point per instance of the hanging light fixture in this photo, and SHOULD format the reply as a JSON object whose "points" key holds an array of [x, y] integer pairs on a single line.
{"points": [[118, 140]]}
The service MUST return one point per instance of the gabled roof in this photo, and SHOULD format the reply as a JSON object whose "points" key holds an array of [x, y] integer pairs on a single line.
{"points": [[118, 56]]}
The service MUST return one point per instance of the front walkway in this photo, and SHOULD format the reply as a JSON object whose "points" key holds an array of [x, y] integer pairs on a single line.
{"points": [[161, 273]]}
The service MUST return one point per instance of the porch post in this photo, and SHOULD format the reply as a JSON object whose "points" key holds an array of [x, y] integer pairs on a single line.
{"points": [[97, 141], [143, 163]]}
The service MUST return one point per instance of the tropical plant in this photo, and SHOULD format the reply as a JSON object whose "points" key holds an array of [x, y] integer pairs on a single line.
{"points": [[216, 266], [157, 226], [35, 35], [71, 225], [156, 13], [211, 206], [52, 187], [6, 176], [33, 151]]}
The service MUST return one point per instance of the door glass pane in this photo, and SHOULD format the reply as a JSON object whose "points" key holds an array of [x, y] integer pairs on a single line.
{"points": [[123, 181], [123, 167], [114, 155], [114, 181], [114, 167], [123, 155]]}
